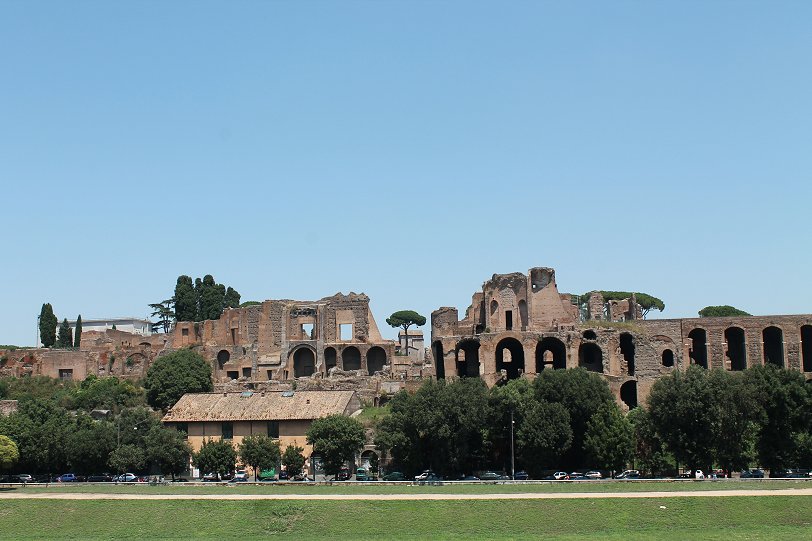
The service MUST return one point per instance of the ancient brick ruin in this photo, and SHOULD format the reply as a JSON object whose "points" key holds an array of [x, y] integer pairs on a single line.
{"points": [[519, 325]]}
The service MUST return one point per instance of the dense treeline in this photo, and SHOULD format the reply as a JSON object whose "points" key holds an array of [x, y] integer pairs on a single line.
{"points": [[568, 419]]}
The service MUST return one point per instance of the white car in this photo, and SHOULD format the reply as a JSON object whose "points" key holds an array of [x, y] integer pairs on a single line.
{"points": [[241, 475], [699, 475], [561, 476]]}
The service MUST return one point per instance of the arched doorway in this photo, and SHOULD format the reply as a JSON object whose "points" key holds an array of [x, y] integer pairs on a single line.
{"points": [[668, 358], [551, 353], [468, 358], [222, 358], [628, 394], [590, 357], [510, 357], [304, 362], [351, 358], [330, 357], [699, 351], [773, 346], [806, 348], [627, 350], [736, 348], [376, 359], [439, 359]]}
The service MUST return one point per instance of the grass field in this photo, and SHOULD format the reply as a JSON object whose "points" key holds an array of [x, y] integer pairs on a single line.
{"points": [[776, 517], [305, 488]]}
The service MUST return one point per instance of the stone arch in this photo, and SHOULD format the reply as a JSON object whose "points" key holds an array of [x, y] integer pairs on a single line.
{"points": [[773, 338], [494, 307], [439, 359], [628, 394], [627, 350], [590, 357], [806, 348], [467, 355], [304, 362], [376, 359], [510, 357], [736, 348], [698, 353], [351, 358], [557, 350], [223, 356], [589, 334], [330, 358], [367, 458], [668, 358]]}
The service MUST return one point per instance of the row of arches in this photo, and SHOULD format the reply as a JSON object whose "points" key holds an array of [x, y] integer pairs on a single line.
{"points": [[304, 360], [772, 342]]}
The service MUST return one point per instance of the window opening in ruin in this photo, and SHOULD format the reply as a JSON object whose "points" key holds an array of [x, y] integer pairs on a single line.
{"points": [[345, 332], [806, 348], [304, 362], [627, 350], [467, 355], [351, 358], [273, 429], [494, 307], [590, 357], [736, 349], [510, 357], [184, 332], [773, 346], [523, 314], [234, 336], [270, 374], [66, 373], [668, 358], [246, 372], [509, 320], [376, 359], [628, 394], [698, 351], [228, 431], [329, 358], [308, 331], [233, 374], [589, 334], [223, 357], [439, 359], [558, 351]]}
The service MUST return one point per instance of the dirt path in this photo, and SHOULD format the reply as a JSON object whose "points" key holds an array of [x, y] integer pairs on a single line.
{"points": [[393, 497]]}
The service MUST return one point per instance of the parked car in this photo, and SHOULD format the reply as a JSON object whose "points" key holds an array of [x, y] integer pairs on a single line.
{"points": [[493, 476], [100, 478], [521, 476], [180, 480], [126, 478], [394, 476], [240, 476], [283, 475], [22, 478], [267, 475], [560, 476], [720, 474], [67, 478], [360, 474], [628, 474], [752, 474], [469, 478], [425, 475], [593, 474]]}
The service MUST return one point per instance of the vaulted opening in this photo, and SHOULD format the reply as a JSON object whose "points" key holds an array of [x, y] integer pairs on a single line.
{"points": [[329, 358], [590, 357], [468, 358], [806, 348], [376, 359], [304, 362], [736, 348], [628, 394], [439, 359], [551, 353], [627, 350], [698, 351], [668, 358], [223, 357], [510, 357], [773, 346], [351, 358]]}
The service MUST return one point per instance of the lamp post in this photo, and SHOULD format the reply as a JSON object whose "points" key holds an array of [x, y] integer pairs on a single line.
{"points": [[512, 453]]}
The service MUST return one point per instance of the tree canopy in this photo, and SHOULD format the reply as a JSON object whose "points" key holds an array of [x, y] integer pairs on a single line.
{"points": [[65, 339], [215, 456], [259, 452], [47, 326], [721, 311], [77, 332], [293, 460], [197, 300], [9, 454], [171, 376], [609, 439], [336, 438]]}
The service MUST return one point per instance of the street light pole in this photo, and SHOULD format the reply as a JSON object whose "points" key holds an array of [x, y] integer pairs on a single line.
{"points": [[512, 453]]}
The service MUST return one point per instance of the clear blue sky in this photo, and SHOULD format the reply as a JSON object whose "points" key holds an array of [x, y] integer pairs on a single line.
{"points": [[408, 150]]}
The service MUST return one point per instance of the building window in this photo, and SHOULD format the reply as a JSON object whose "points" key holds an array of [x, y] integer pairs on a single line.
{"points": [[273, 429], [345, 332], [184, 332], [228, 431], [65, 373], [184, 429]]}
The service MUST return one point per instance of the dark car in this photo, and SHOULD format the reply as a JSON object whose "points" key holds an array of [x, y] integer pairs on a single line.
{"points": [[490, 476], [394, 476], [629, 474], [100, 478], [752, 474], [521, 476]]}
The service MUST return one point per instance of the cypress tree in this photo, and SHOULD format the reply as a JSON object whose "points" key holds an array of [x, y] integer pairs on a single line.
{"points": [[65, 339], [47, 326], [185, 300], [77, 333]]}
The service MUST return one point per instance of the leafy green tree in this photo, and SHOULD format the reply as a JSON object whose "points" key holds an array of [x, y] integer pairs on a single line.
{"points": [[210, 298], [232, 298], [40, 429], [47, 326], [721, 311], [650, 455], [249, 303], [738, 413], [293, 460], [107, 393], [215, 456], [89, 445], [259, 452], [175, 374], [77, 332], [127, 458], [185, 299], [168, 450], [65, 340], [508, 403], [609, 439], [133, 425], [582, 394], [165, 314], [336, 438], [405, 319], [684, 413], [9, 453], [543, 436]]}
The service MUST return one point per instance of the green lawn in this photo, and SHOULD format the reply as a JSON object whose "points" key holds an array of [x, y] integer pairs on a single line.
{"points": [[774, 517], [305, 488]]}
